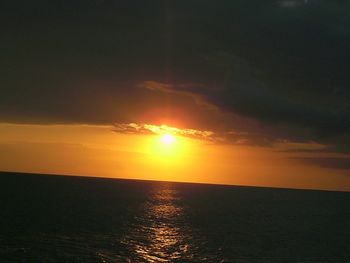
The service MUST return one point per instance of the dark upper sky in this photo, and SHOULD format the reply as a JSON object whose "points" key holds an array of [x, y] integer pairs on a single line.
{"points": [[275, 69]]}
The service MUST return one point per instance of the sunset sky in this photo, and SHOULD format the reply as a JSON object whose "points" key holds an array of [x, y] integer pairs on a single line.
{"points": [[252, 92]]}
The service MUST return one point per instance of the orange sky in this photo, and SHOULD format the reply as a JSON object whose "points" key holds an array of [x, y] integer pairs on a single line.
{"points": [[93, 150]]}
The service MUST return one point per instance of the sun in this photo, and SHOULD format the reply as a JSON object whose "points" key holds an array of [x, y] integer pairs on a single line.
{"points": [[167, 148], [168, 139]]}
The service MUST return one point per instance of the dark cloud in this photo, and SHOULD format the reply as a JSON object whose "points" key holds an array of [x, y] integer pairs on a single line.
{"points": [[274, 68]]}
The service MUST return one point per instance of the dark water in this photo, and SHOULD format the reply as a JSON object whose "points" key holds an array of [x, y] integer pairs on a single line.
{"points": [[76, 219]]}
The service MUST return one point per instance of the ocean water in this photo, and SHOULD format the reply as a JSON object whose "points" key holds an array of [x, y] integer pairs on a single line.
{"points": [[45, 218]]}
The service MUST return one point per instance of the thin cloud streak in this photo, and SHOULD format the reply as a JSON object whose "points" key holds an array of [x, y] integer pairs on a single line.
{"points": [[218, 137], [342, 163], [134, 128]]}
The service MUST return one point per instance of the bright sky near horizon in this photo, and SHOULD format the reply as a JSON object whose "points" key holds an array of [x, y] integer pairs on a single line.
{"points": [[97, 150]]}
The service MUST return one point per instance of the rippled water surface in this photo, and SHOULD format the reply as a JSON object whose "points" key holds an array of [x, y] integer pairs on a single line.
{"points": [[76, 219]]}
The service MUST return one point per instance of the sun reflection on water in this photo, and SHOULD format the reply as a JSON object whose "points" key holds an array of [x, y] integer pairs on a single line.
{"points": [[160, 233]]}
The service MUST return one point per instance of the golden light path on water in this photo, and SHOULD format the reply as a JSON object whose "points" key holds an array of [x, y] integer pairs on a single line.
{"points": [[162, 237], [160, 232]]}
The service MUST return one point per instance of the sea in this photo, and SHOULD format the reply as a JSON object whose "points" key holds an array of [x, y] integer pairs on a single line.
{"points": [[50, 218]]}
